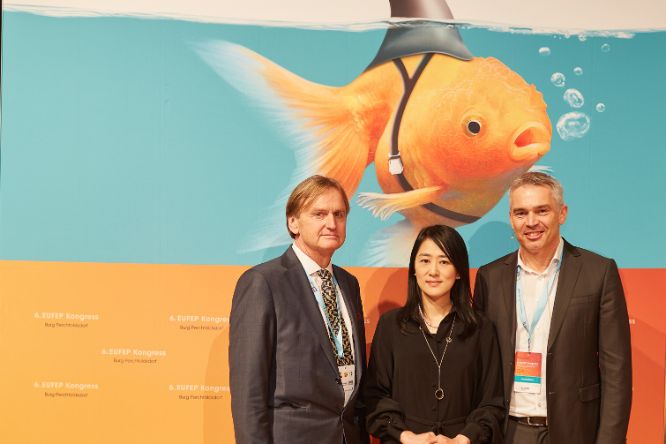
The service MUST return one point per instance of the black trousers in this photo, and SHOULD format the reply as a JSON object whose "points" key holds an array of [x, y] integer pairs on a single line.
{"points": [[517, 433]]}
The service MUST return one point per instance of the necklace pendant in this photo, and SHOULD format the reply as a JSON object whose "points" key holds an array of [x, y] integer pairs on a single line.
{"points": [[439, 394]]}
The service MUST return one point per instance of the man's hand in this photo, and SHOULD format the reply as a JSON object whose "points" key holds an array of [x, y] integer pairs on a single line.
{"points": [[460, 439], [408, 437]]}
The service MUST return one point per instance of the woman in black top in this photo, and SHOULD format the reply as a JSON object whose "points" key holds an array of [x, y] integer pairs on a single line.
{"points": [[434, 374]]}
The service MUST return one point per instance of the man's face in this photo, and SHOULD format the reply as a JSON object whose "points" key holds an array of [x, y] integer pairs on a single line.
{"points": [[321, 227], [536, 218]]}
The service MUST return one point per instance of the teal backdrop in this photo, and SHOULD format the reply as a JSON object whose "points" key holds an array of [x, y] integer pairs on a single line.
{"points": [[120, 144]]}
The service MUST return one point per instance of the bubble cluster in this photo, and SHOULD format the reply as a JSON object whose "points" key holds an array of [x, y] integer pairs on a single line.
{"points": [[582, 37], [574, 98], [578, 71], [558, 79], [573, 125], [605, 47], [600, 107], [544, 51]]}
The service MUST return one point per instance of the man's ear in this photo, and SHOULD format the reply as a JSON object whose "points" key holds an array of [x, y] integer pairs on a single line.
{"points": [[564, 211], [292, 223]]}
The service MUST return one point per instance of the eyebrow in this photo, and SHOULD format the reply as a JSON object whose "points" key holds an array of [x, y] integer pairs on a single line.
{"points": [[438, 255], [538, 207]]}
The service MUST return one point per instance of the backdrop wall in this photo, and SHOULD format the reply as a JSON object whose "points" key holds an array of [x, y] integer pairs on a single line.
{"points": [[143, 168]]}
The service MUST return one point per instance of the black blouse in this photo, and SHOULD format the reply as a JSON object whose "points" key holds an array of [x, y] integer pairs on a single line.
{"points": [[402, 378]]}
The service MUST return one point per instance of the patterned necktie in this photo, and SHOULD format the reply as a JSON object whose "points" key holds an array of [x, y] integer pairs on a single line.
{"points": [[331, 304]]}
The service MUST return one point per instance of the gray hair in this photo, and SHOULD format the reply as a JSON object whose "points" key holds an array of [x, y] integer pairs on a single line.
{"points": [[540, 180]]}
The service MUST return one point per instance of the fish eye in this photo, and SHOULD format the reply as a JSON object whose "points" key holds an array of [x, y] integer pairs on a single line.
{"points": [[473, 127]]}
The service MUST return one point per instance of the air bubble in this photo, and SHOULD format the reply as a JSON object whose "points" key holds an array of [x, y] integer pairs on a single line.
{"points": [[573, 125]]}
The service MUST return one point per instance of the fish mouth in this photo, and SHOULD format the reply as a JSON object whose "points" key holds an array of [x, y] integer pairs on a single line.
{"points": [[530, 142]]}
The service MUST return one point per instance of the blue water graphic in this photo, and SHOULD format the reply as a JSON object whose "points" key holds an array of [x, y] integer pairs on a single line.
{"points": [[119, 144]]}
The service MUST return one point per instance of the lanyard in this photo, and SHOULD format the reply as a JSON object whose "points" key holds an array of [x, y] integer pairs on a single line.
{"points": [[541, 303], [336, 338]]}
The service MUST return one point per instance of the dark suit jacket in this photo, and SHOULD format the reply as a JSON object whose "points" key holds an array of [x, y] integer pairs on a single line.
{"points": [[588, 362], [285, 384]]}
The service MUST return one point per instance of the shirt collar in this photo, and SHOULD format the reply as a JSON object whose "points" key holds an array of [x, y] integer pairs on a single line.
{"points": [[554, 262], [309, 265]]}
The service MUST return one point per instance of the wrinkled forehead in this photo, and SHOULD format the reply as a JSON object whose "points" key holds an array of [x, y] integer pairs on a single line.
{"points": [[323, 198]]}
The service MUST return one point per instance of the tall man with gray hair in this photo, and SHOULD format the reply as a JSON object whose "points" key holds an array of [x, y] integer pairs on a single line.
{"points": [[562, 324], [297, 335]]}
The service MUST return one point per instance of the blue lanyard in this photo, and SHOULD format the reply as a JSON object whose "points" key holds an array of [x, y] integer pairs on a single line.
{"points": [[541, 303], [336, 338]]}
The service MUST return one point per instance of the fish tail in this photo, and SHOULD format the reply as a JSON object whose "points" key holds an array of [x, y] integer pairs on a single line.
{"points": [[329, 137]]}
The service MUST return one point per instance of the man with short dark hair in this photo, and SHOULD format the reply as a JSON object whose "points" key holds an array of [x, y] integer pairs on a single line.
{"points": [[297, 336], [562, 324]]}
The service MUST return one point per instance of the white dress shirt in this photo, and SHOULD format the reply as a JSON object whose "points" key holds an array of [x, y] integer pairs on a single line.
{"points": [[533, 285]]}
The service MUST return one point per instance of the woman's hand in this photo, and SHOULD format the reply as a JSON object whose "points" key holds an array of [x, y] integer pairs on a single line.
{"points": [[408, 437]]}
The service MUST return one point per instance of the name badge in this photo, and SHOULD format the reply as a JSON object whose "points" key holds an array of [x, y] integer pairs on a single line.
{"points": [[347, 378], [527, 378]]}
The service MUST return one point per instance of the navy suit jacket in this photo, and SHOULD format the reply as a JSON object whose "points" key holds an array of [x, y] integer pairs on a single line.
{"points": [[285, 383]]}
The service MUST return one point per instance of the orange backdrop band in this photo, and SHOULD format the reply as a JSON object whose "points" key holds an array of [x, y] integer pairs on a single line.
{"points": [[110, 353]]}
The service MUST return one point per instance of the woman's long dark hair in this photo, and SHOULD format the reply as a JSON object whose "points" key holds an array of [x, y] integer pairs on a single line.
{"points": [[453, 245]]}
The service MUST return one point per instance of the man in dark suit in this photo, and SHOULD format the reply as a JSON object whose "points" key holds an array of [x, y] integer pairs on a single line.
{"points": [[297, 335], [563, 329]]}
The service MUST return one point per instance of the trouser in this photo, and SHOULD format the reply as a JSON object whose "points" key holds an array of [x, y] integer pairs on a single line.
{"points": [[517, 433]]}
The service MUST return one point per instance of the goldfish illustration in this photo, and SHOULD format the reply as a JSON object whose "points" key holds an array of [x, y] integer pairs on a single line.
{"points": [[446, 131]]}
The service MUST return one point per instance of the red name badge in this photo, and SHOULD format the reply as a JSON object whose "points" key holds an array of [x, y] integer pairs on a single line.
{"points": [[527, 378]]}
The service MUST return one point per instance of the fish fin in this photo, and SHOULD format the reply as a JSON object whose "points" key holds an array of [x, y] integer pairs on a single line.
{"points": [[391, 246], [541, 169], [384, 205], [322, 120]]}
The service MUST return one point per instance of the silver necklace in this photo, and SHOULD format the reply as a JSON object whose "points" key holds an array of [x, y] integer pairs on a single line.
{"points": [[425, 319], [439, 392]]}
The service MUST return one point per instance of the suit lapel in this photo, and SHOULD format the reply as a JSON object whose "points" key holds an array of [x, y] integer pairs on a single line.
{"points": [[509, 293], [508, 288], [566, 282], [300, 287]]}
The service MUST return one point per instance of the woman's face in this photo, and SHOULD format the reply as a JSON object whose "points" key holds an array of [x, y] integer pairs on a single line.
{"points": [[435, 274]]}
